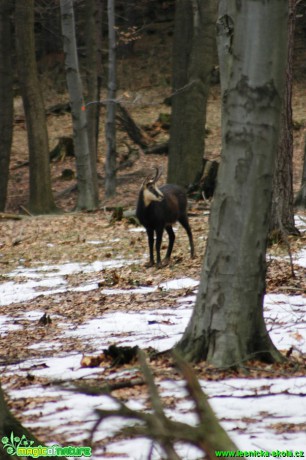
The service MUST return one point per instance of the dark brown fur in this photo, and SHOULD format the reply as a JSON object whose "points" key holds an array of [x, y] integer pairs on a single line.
{"points": [[169, 206]]}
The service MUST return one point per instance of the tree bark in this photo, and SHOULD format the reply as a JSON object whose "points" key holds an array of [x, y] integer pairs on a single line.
{"points": [[110, 128], [300, 201], [86, 172], [93, 27], [282, 211], [6, 98], [227, 325], [41, 198], [193, 60]]}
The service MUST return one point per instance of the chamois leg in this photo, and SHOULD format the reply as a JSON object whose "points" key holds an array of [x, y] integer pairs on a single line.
{"points": [[159, 237], [150, 234], [184, 222], [171, 235]]}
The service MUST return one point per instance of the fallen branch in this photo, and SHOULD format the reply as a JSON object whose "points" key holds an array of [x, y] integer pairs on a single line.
{"points": [[134, 131], [290, 288], [214, 437], [5, 215], [67, 191], [105, 389], [59, 109], [23, 208], [137, 134], [158, 149], [21, 165], [208, 435]]}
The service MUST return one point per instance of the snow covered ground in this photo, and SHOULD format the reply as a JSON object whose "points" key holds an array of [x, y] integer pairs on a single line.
{"points": [[263, 414]]}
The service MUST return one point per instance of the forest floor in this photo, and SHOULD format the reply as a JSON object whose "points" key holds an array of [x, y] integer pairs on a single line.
{"points": [[73, 285], [85, 271]]}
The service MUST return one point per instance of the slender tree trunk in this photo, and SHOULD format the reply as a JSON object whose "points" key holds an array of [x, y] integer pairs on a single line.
{"points": [[282, 211], [300, 201], [227, 325], [6, 97], [86, 172], [110, 129], [193, 59], [93, 28], [41, 199]]}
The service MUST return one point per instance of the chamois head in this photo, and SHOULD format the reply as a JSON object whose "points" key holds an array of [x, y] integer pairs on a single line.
{"points": [[150, 190]]}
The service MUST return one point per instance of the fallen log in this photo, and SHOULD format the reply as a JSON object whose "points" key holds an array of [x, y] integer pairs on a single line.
{"points": [[5, 215], [158, 149], [135, 133]]}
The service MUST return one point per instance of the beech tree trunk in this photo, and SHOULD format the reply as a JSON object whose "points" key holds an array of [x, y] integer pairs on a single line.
{"points": [[41, 198], [86, 171], [227, 325], [194, 49], [6, 97], [110, 128]]}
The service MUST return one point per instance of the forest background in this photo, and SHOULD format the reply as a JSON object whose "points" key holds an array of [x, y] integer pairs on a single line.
{"points": [[144, 79], [144, 82]]}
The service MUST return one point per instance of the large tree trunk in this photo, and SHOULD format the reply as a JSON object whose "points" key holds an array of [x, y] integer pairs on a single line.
{"points": [[227, 325], [110, 128], [193, 59], [41, 199], [282, 211], [86, 171], [6, 97]]}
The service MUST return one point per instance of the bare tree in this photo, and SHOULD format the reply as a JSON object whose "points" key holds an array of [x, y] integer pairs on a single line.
{"points": [[41, 199], [6, 97], [110, 128], [194, 50], [86, 170], [93, 31], [227, 325], [282, 211]]}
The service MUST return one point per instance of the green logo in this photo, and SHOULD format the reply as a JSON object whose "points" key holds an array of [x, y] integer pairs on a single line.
{"points": [[23, 447], [12, 443]]}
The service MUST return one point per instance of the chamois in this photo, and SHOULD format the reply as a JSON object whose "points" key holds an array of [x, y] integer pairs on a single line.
{"points": [[158, 209]]}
